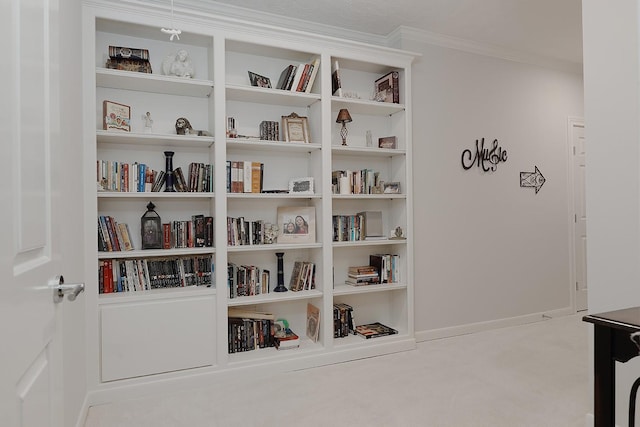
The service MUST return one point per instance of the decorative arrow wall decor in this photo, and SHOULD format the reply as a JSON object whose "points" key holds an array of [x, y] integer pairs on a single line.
{"points": [[532, 179]]}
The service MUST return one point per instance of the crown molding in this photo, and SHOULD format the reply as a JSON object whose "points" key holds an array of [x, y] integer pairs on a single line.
{"points": [[403, 33], [222, 10]]}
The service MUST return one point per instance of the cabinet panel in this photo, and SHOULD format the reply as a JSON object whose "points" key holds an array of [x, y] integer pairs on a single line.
{"points": [[155, 337]]}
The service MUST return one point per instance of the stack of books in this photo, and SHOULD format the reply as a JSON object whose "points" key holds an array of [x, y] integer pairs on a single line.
{"points": [[129, 59], [286, 339], [363, 275]]}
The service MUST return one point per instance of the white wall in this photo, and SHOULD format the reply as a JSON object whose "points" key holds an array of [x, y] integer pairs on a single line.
{"points": [[487, 251], [610, 38]]}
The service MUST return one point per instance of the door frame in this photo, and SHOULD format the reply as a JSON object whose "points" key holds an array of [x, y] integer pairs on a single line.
{"points": [[572, 123]]}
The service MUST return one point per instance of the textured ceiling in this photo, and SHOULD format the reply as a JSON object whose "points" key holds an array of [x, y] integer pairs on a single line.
{"points": [[550, 28]]}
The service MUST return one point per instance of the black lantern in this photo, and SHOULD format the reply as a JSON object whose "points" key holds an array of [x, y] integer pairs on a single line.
{"points": [[281, 287], [151, 228]]}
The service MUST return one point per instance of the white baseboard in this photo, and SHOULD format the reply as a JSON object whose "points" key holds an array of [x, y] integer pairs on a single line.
{"points": [[471, 328]]}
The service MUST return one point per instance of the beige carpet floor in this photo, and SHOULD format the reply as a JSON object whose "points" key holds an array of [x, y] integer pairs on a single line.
{"points": [[532, 375]]}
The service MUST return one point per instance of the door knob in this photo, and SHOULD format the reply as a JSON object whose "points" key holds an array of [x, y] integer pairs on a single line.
{"points": [[60, 289]]}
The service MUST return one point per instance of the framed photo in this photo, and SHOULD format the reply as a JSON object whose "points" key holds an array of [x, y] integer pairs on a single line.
{"points": [[386, 88], [296, 224], [117, 117], [389, 142], [391, 188], [258, 80], [295, 128], [301, 185]]}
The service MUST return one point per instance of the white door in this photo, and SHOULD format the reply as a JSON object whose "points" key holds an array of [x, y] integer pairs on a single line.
{"points": [[580, 217], [34, 198]]}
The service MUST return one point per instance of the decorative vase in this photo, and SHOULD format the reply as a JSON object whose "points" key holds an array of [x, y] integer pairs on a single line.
{"points": [[169, 177], [280, 287]]}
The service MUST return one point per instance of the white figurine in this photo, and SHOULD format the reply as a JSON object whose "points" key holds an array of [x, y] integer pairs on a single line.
{"points": [[178, 65], [148, 122]]}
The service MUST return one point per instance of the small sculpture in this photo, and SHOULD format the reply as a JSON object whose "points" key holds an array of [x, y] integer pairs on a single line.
{"points": [[178, 64], [183, 127], [398, 234], [148, 122]]}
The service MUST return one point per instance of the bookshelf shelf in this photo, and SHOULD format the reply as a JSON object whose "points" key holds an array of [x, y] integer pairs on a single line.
{"points": [[373, 108], [222, 55], [365, 151], [250, 145], [265, 355], [273, 297], [269, 196], [368, 196], [155, 295], [354, 290], [128, 80], [154, 195], [157, 140], [260, 95], [273, 247], [156, 253]]}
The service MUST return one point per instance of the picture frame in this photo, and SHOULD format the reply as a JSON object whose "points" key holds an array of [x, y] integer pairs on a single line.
{"points": [[388, 142], [295, 128], [386, 88], [391, 188], [296, 224], [116, 116], [301, 185], [258, 80]]}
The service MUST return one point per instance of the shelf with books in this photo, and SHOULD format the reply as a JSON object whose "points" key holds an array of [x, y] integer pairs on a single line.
{"points": [[154, 139], [260, 95], [243, 144], [381, 287], [151, 195], [273, 247], [155, 253], [154, 83], [271, 196], [271, 354], [155, 295], [274, 297]]}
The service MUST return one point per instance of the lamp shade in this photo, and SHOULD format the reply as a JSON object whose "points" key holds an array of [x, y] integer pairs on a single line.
{"points": [[344, 116]]}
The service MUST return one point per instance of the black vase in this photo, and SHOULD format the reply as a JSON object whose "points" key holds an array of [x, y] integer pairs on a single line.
{"points": [[169, 177], [280, 287]]}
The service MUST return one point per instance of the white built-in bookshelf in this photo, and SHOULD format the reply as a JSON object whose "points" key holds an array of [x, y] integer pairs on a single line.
{"points": [[175, 333]]}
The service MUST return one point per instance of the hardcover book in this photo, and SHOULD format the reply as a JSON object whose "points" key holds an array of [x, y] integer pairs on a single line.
{"points": [[116, 116], [374, 330]]}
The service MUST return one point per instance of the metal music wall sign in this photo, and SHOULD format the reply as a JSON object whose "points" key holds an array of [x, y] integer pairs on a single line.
{"points": [[485, 158]]}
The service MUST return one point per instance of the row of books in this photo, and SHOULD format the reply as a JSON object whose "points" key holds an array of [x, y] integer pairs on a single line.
{"points": [[194, 233], [128, 59], [388, 266], [246, 334], [249, 330], [242, 232], [363, 275], [303, 276], [299, 78], [113, 236], [247, 280], [349, 228], [134, 275], [124, 177], [343, 322], [363, 181], [269, 130], [138, 177], [244, 176]]}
